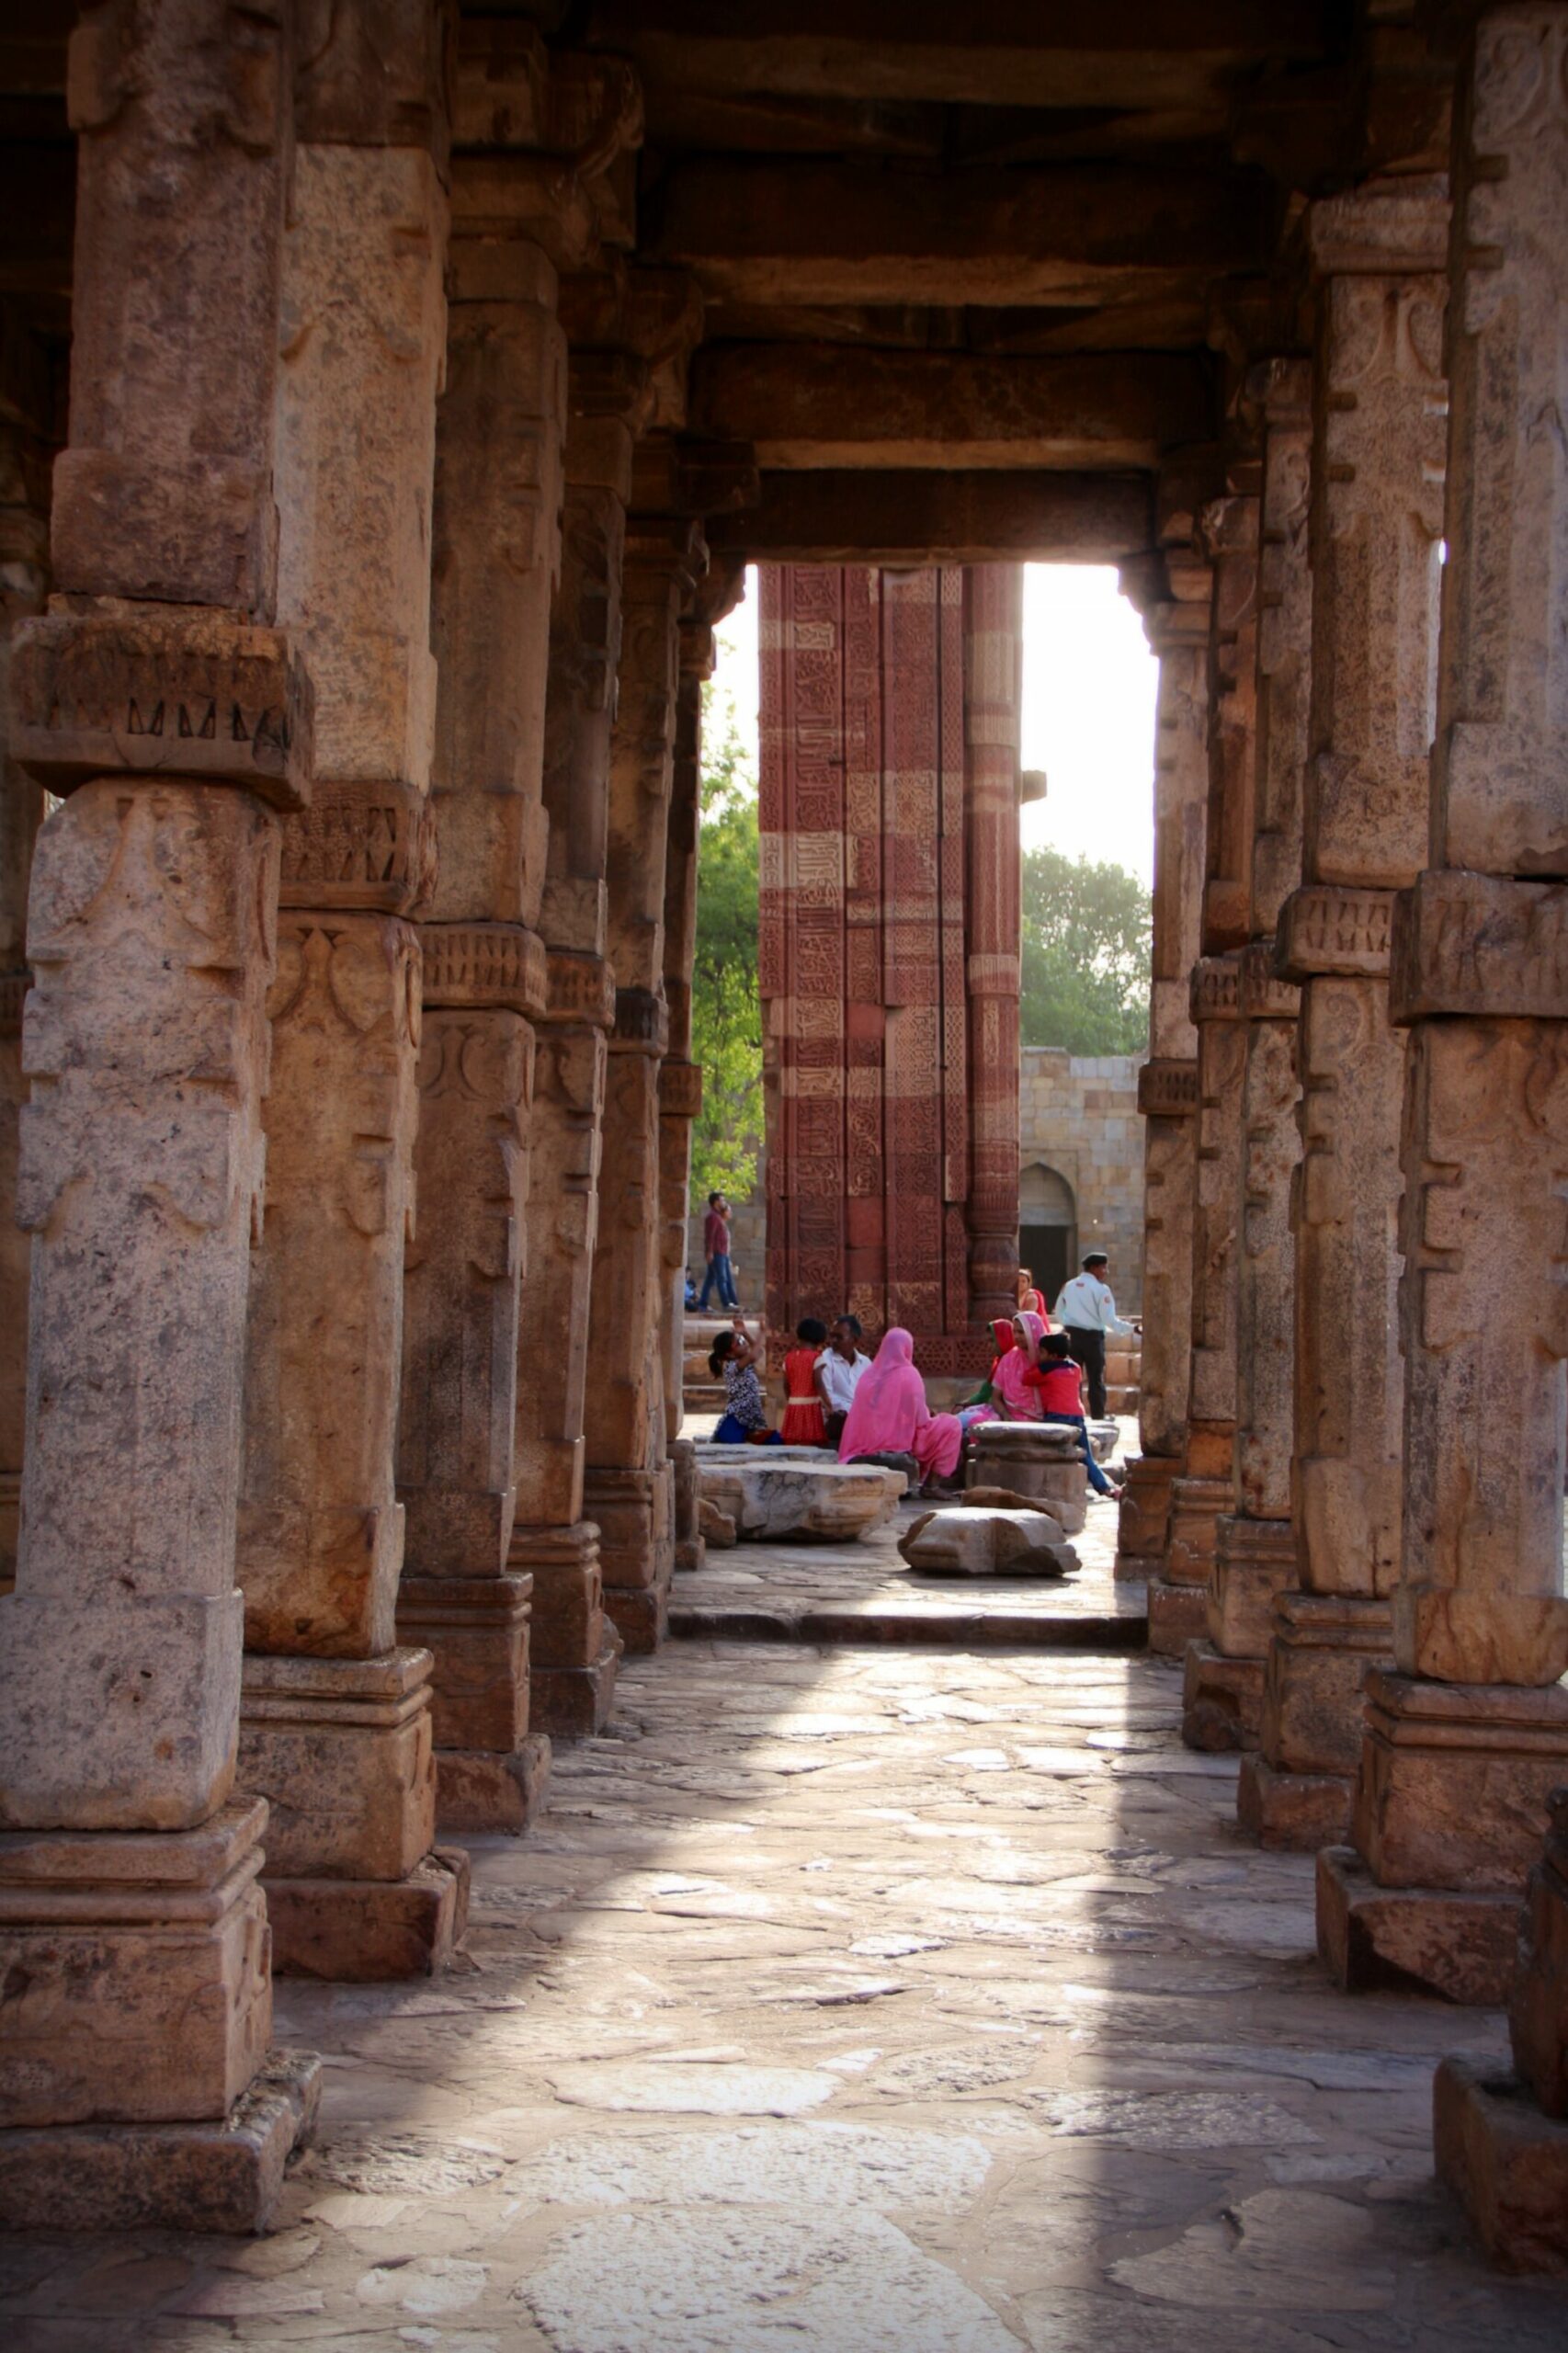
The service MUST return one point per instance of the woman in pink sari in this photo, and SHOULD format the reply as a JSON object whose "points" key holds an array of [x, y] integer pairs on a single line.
{"points": [[1012, 1400], [889, 1413]]}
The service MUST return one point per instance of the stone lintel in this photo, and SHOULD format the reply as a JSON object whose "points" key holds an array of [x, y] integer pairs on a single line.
{"points": [[1479, 944], [479, 965], [1214, 989], [1262, 996], [1459, 1945], [1167, 1089], [160, 694], [225, 2176], [907, 516], [694, 473], [1336, 928], [642, 1023], [536, 198], [364, 846]]}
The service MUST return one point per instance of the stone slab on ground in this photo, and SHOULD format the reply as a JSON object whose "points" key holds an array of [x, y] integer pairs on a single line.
{"points": [[983, 1543], [823, 1501], [863, 1593], [872, 2001]]}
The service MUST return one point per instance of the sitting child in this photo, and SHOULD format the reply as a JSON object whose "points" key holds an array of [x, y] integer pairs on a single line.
{"points": [[1060, 1384], [745, 1417], [803, 1421]]}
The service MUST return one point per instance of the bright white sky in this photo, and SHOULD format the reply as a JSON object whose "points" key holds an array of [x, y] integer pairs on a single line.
{"points": [[1089, 683]]}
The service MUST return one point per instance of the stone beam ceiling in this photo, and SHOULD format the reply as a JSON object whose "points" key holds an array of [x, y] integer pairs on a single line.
{"points": [[902, 518]]}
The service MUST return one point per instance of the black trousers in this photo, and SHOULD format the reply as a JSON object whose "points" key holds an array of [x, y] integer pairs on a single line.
{"points": [[1088, 1348]]}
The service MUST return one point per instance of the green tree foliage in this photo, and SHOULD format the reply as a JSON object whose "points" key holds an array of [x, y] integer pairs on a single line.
{"points": [[1086, 936], [726, 1013]]}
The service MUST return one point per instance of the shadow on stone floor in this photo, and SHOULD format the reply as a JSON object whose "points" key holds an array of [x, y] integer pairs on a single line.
{"points": [[846, 2002]]}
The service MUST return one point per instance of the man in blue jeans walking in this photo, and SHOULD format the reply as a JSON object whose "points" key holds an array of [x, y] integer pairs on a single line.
{"points": [[716, 1250]]}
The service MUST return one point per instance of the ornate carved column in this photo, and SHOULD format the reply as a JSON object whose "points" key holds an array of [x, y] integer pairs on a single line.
{"points": [[499, 486], [337, 1728], [1255, 1552], [574, 1649], [1468, 1736], [1228, 536], [993, 599], [128, 1883], [25, 420], [1178, 628], [628, 1487], [1380, 407]]}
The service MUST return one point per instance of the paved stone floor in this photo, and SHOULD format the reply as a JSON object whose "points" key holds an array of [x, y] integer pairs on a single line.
{"points": [[867, 2001]]}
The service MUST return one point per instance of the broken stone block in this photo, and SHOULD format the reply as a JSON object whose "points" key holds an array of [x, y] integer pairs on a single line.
{"points": [[716, 1526], [988, 1544], [831, 1502], [1039, 1460]]}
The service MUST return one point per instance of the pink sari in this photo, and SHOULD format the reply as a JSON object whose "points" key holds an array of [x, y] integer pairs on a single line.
{"points": [[1020, 1402], [889, 1413]]}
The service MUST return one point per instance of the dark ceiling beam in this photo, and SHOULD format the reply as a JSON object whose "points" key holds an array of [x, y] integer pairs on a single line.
{"points": [[914, 519], [1009, 53], [808, 232], [814, 406]]}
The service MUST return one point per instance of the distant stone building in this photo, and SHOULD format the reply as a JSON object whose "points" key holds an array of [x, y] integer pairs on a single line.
{"points": [[1081, 1167]]}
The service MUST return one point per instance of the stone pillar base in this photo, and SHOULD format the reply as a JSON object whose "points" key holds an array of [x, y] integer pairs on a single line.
{"points": [[1455, 1780], [223, 2175], [366, 1931], [1299, 1811], [136, 1972], [1221, 1699], [1314, 1682], [476, 1630], [1255, 1562], [1177, 1616], [1143, 1514], [1413, 1940], [477, 1789], [1505, 2162], [691, 1552], [634, 1510], [573, 1702], [341, 1750], [570, 1633]]}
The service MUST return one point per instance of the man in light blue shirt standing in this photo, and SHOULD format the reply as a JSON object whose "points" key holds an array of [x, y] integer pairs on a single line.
{"points": [[1086, 1311]]}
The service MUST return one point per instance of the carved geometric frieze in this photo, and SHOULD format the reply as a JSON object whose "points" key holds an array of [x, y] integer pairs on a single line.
{"points": [[581, 988], [680, 1089], [198, 697], [642, 1023], [484, 963], [1261, 996], [1480, 944], [1168, 1090], [1332, 927], [1215, 989], [367, 844]]}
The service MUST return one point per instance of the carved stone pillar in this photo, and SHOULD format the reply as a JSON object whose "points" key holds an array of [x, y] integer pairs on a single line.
{"points": [[1178, 1598], [1255, 1553], [629, 1486], [1379, 407], [573, 1647], [25, 407], [128, 1880], [1466, 1737], [336, 1727], [498, 494], [680, 1079], [994, 597], [1167, 1084]]}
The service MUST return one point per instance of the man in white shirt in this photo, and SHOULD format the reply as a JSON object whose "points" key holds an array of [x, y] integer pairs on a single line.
{"points": [[1086, 1311], [839, 1368]]}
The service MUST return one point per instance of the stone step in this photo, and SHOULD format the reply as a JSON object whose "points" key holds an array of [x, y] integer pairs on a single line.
{"points": [[940, 1626]]}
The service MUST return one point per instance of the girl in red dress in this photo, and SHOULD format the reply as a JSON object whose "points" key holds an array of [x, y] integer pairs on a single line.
{"points": [[804, 1424]]}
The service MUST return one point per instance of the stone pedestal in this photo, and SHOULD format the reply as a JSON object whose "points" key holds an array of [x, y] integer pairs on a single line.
{"points": [[491, 1763], [1036, 1459], [1254, 1560], [1452, 1797], [575, 1646], [1297, 1791], [1143, 1515], [342, 1749], [634, 1511], [1178, 1596]]}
